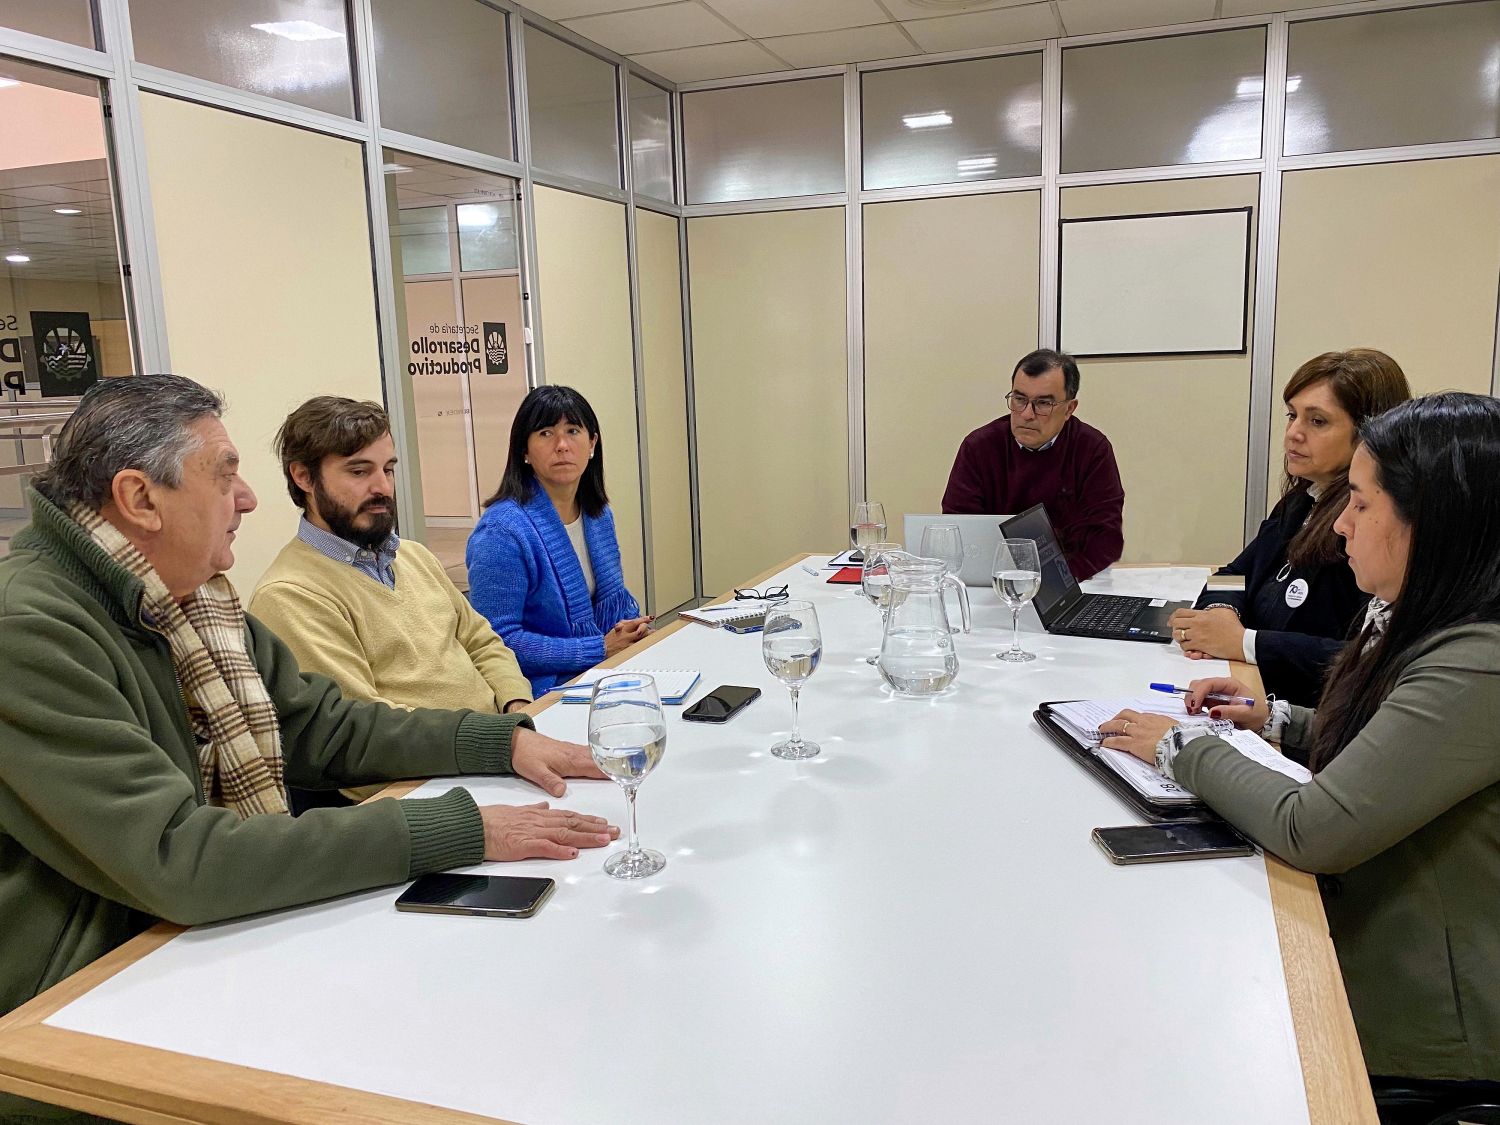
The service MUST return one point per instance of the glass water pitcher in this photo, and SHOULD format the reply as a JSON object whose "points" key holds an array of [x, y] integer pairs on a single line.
{"points": [[917, 657]]}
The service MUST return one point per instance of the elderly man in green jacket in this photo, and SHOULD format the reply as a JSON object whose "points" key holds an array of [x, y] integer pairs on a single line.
{"points": [[149, 728]]}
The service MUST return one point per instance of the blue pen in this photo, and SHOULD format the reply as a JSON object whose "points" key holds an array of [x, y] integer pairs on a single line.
{"points": [[1214, 697]]}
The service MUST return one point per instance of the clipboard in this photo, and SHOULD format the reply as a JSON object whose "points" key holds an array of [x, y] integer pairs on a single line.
{"points": [[1157, 812]]}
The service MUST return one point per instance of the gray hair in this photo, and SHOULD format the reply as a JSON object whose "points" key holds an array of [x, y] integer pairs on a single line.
{"points": [[137, 422]]}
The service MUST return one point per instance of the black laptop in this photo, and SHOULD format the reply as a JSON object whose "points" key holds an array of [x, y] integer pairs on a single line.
{"points": [[1066, 609]]}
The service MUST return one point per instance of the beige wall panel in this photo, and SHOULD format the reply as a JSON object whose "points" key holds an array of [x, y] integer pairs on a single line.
{"points": [[950, 305], [494, 398], [442, 429], [1400, 257], [666, 410], [586, 338], [770, 386], [263, 236], [1141, 402]]}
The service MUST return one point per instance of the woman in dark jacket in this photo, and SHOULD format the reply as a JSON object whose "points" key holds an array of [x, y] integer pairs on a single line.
{"points": [[1401, 817], [1300, 597]]}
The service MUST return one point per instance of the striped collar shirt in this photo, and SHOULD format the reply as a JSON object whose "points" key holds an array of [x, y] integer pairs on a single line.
{"points": [[379, 564]]}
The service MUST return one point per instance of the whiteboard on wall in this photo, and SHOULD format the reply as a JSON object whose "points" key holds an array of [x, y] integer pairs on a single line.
{"points": [[1170, 284]]}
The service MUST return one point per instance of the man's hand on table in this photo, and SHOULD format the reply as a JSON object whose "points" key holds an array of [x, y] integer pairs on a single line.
{"points": [[538, 832], [546, 761]]}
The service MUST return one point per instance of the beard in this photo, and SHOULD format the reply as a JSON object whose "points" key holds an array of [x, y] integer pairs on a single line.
{"points": [[341, 520]]}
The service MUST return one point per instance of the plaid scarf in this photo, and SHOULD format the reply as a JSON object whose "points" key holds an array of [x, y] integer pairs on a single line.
{"points": [[239, 756]]}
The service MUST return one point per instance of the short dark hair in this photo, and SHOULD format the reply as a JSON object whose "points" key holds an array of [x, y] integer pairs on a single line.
{"points": [[1044, 360], [131, 422], [543, 407], [1437, 458], [326, 426]]}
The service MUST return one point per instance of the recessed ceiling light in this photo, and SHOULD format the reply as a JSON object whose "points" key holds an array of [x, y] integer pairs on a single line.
{"points": [[299, 31], [18, 259], [933, 120], [66, 211], [978, 163]]}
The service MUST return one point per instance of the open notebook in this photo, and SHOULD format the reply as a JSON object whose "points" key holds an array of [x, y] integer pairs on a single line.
{"points": [[715, 615], [673, 684], [1081, 719]]}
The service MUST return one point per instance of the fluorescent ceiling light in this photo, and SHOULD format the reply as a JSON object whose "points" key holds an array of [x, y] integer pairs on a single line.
{"points": [[394, 169], [18, 259], [934, 120], [66, 211], [1293, 81], [1250, 87], [299, 31], [978, 164], [4, 82]]}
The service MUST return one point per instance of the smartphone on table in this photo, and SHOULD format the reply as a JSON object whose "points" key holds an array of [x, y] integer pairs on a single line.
{"points": [[1158, 843], [721, 704], [496, 896]]}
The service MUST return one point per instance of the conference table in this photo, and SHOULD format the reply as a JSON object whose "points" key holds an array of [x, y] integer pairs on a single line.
{"points": [[913, 926]]}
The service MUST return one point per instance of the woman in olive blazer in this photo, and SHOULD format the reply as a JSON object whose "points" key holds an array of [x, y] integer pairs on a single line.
{"points": [[1402, 815]]}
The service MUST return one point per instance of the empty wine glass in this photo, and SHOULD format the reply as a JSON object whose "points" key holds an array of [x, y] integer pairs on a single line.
{"points": [[867, 527], [875, 582], [1017, 577], [944, 541], [627, 736], [792, 645]]}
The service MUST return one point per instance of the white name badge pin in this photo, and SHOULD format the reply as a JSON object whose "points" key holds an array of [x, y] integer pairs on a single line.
{"points": [[1296, 593]]}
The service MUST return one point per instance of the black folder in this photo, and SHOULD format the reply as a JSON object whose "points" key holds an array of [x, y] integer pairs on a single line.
{"points": [[1157, 812]]}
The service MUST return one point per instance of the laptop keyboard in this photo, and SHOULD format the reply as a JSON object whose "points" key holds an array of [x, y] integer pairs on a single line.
{"points": [[1110, 614]]}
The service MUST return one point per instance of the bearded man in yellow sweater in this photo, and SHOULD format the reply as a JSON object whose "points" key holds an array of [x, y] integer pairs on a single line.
{"points": [[375, 614]]}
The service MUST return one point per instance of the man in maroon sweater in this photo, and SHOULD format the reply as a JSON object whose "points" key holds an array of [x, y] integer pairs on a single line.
{"points": [[1041, 454]]}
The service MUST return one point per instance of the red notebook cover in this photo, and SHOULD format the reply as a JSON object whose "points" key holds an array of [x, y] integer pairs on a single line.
{"points": [[847, 576]]}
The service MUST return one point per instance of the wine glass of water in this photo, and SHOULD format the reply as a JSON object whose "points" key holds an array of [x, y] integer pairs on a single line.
{"points": [[867, 527], [875, 581], [944, 541], [1017, 577], [627, 736], [791, 645]]}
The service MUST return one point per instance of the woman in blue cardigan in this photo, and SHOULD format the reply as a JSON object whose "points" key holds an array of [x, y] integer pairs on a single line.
{"points": [[544, 564]]}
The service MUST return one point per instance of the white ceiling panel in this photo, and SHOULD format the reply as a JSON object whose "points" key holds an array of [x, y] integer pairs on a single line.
{"points": [[656, 29], [572, 9], [763, 18], [985, 29], [856, 44], [1261, 7], [1086, 17], [927, 9], [721, 60]]}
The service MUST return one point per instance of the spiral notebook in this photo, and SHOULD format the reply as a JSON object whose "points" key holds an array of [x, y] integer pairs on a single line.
{"points": [[1081, 719], [713, 616], [673, 684]]}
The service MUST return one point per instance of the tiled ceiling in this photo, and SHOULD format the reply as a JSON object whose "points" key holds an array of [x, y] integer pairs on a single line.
{"points": [[79, 247], [695, 40]]}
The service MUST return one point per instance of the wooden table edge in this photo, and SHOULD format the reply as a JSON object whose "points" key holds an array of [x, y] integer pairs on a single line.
{"points": [[35, 1059]]}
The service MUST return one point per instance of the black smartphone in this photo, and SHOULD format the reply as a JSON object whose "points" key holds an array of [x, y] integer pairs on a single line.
{"points": [[746, 624], [721, 704], [1157, 843], [499, 896]]}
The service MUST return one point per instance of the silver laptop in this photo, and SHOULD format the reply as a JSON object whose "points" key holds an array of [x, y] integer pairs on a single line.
{"points": [[981, 535]]}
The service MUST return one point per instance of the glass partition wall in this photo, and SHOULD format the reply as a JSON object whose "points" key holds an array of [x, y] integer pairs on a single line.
{"points": [[963, 166], [63, 323]]}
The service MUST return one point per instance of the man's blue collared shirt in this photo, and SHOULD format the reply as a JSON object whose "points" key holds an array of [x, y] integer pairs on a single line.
{"points": [[379, 564]]}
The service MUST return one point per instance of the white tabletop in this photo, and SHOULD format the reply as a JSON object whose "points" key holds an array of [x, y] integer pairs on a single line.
{"points": [[915, 926]]}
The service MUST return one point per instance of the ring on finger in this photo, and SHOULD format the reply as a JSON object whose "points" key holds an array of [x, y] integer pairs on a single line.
{"points": [[1126, 728]]}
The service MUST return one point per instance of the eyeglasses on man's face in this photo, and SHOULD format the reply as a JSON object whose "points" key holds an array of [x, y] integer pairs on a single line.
{"points": [[770, 594], [1042, 407]]}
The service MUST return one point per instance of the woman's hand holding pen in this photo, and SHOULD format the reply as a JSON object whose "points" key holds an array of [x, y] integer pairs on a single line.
{"points": [[1251, 717]]}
